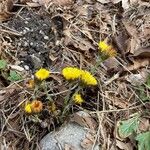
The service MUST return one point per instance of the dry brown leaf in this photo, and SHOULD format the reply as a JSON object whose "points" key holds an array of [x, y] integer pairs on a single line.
{"points": [[80, 43], [123, 145], [57, 2], [84, 119], [144, 124], [137, 79], [134, 44], [111, 64], [63, 2], [88, 141], [5, 8], [142, 52], [132, 31], [138, 63], [119, 102], [122, 41]]}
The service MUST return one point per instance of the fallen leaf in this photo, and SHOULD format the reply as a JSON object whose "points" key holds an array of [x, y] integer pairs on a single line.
{"points": [[137, 79], [144, 124], [5, 8], [138, 63], [84, 119], [88, 141], [110, 64], [123, 145], [143, 52], [57, 2]]}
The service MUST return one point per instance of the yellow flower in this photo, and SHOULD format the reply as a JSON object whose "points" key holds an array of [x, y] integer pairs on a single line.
{"points": [[88, 78], [71, 73], [107, 49], [42, 74], [77, 98], [28, 108], [36, 106]]}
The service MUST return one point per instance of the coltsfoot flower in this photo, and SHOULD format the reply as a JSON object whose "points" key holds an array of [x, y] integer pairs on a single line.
{"points": [[36, 106], [71, 73], [88, 78], [107, 49], [77, 98], [27, 108], [42, 74]]}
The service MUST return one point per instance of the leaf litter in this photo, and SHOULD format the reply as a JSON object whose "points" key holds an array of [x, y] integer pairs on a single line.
{"points": [[56, 34]]}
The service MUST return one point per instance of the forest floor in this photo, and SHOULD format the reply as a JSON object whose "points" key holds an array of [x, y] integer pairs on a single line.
{"points": [[108, 38]]}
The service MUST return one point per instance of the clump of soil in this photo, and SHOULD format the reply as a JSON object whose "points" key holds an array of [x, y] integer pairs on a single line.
{"points": [[37, 40]]}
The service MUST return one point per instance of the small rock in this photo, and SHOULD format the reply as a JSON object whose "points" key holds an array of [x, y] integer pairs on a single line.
{"points": [[46, 37], [26, 67], [71, 134]]}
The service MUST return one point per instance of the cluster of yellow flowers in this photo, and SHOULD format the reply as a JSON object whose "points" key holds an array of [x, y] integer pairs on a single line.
{"points": [[35, 106], [72, 73], [107, 49], [69, 73]]}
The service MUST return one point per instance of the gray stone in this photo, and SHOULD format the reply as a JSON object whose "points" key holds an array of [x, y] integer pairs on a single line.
{"points": [[71, 134]]}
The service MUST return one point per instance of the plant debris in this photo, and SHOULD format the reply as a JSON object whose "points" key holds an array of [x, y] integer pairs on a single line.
{"points": [[80, 61]]}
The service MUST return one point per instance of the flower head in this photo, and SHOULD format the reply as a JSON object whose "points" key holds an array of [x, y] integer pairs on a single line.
{"points": [[71, 73], [27, 108], [77, 98], [88, 78], [107, 49], [36, 106], [42, 74]]}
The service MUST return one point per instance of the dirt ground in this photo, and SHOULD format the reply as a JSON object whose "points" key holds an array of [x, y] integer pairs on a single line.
{"points": [[52, 34]]}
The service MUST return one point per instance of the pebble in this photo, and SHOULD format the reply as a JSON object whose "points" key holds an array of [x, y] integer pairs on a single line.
{"points": [[71, 134], [26, 67], [46, 37]]}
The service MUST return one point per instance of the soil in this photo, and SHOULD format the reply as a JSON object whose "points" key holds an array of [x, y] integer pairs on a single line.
{"points": [[37, 39]]}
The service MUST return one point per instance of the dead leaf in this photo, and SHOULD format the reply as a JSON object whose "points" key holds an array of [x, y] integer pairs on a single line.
{"points": [[137, 79], [88, 141], [122, 41], [138, 63], [144, 124], [132, 31], [123, 145], [111, 64], [84, 119], [119, 102], [5, 8], [57, 2], [142, 52]]}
